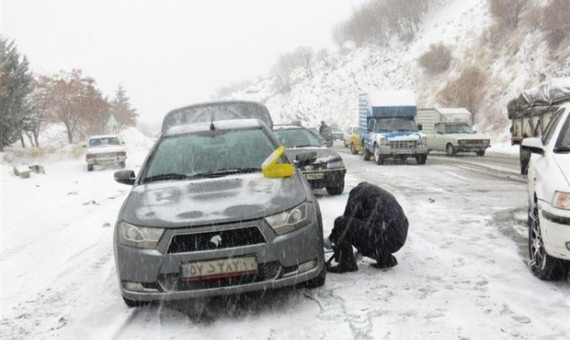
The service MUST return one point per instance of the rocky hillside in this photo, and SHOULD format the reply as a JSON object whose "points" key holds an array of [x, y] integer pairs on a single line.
{"points": [[509, 61]]}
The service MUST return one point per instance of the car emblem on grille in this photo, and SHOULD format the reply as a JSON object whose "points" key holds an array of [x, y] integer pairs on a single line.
{"points": [[215, 241]]}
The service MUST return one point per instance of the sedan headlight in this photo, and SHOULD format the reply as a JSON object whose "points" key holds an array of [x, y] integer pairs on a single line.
{"points": [[336, 164], [291, 220], [561, 200], [139, 237]]}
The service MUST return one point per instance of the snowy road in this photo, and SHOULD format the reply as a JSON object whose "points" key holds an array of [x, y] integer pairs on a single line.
{"points": [[461, 274]]}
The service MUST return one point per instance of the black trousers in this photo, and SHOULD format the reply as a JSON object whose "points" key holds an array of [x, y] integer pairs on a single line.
{"points": [[370, 241]]}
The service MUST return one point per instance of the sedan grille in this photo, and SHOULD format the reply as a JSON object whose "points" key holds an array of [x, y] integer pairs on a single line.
{"points": [[215, 240]]}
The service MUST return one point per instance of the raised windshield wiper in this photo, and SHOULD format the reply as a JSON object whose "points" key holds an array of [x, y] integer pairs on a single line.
{"points": [[225, 172], [165, 177]]}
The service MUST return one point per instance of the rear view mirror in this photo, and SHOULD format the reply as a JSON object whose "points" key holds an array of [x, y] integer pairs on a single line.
{"points": [[125, 177], [533, 145], [420, 127], [271, 169]]}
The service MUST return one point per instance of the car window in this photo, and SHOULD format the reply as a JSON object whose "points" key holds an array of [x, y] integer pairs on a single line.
{"points": [[551, 126], [199, 153], [563, 142], [294, 138], [104, 141], [395, 124], [458, 128]]}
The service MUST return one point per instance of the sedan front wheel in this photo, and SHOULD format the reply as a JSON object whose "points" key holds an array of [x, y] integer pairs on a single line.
{"points": [[542, 265]]}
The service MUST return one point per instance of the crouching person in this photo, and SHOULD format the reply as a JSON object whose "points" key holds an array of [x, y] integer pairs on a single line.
{"points": [[374, 223]]}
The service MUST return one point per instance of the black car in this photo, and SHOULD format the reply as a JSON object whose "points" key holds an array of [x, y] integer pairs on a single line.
{"points": [[326, 170]]}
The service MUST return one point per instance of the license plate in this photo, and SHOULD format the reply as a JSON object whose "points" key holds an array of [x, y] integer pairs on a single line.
{"points": [[218, 269], [314, 176]]}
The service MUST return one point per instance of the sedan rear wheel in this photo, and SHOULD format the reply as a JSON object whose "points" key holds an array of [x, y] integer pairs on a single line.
{"points": [[542, 265]]}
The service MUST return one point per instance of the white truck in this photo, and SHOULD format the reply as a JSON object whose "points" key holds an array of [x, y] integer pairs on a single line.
{"points": [[449, 130], [387, 126], [532, 109]]}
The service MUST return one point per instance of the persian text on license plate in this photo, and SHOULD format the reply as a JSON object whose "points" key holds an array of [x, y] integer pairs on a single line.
{"points": [[217, 269], [314, 176]]}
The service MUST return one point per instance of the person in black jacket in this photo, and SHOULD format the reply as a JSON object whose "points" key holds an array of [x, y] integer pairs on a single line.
{"points": [[374, 223]]}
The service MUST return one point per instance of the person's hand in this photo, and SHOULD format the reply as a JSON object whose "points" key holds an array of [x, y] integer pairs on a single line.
{"points": [[327, 242]]}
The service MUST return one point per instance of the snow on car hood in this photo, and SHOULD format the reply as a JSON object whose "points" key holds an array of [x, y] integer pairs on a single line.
{"points": [[403, 135], [173, 204], [323, 154], [105, 149]]}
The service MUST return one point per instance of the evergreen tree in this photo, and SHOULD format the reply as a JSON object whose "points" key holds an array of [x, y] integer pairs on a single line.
{"points": [[16, 85], [121, 109]]}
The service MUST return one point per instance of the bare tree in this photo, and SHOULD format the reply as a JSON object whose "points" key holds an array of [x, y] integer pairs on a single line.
{"points": [[507, 12], [556, 22], [437, 59], [468, 90]]}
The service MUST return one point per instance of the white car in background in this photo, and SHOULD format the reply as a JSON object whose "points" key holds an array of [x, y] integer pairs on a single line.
{"points": [[105, 150], [549, 198]]}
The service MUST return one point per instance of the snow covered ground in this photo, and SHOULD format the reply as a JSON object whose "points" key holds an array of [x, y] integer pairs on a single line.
{"points": [[461, 275]]}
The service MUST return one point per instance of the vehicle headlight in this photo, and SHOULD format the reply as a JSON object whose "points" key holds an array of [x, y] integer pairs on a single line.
{"points": [[139, 237], [291, 220], [383, 142], [423, 142], [336, 164], [561, 200]]}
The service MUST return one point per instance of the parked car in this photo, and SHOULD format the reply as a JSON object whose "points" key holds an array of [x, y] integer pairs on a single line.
{"points": [[337, 133], [348, 135], [106, 150], [549, 198], [326, 171], [216, 209]]}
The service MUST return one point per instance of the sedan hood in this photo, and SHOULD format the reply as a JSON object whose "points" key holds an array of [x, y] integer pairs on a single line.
{"points": [[323, 154], [172, 204], [468, 136]]}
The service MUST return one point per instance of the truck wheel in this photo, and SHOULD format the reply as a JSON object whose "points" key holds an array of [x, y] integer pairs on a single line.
{"points": [[379, 160], [450, 150], [542, 265], [89, 167], [481, 153], [353, 149], [367, 154], [421, 159], [524, 156], [122, 165], [337, 188]]}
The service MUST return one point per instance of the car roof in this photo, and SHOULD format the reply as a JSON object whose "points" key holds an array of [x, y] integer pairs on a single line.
{"points": [[225, 125], [288, 127], [217, 111], [103, 136]]}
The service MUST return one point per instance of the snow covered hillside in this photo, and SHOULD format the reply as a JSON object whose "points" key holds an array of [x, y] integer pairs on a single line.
{"points": [[512, 63]]}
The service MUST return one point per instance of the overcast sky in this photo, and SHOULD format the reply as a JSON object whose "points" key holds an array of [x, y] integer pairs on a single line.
{"points": [[167, 53]]}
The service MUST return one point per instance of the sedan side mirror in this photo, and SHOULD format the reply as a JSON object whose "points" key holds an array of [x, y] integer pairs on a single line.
{"points": [[533, 145], [125, 177]]}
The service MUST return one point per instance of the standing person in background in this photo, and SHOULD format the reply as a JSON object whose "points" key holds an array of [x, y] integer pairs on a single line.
{"points": [[374, 223]]}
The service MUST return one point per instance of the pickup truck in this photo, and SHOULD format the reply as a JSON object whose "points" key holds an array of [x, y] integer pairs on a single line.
{"points": [[449, 130], [387, 127]]}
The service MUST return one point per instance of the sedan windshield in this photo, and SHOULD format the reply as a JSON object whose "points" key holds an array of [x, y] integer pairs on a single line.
{"points": [[297, 138], [104, 141], [458, 128], [208, 154]]}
